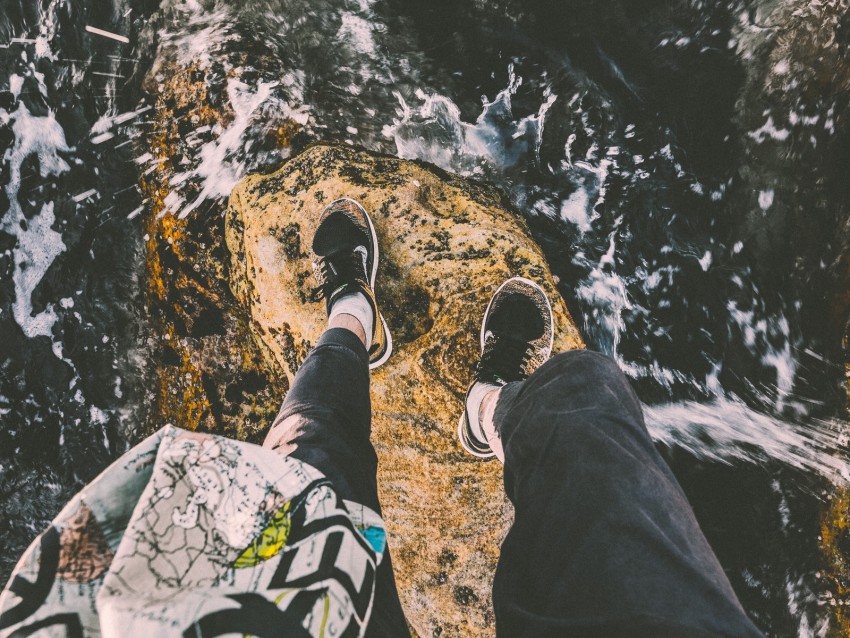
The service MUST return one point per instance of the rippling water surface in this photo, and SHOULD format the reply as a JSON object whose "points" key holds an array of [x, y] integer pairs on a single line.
{"points": [[683, 164]]}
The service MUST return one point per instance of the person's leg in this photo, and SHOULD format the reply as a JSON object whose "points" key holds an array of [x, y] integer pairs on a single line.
{"points": [[326, 416], [604, 542], [325, 421]]}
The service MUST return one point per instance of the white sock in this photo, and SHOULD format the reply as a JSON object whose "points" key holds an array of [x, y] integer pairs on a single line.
{"points": [[483, 429], [357, 305]]}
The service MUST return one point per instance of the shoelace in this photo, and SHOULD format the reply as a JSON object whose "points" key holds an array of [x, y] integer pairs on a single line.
{"points": [[506, 359], [335, 269]]}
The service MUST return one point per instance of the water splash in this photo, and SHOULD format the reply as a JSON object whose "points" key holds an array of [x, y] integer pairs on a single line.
{"points": [[604, 292], [223, 161], [434, 131], [726, 430], [216, 157]]}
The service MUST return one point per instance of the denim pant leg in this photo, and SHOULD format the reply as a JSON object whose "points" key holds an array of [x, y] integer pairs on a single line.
{"points": [[604, 542], [326, 420]]}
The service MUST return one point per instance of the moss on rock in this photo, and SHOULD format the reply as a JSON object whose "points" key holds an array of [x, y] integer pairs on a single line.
{"points": [[200, 381]]}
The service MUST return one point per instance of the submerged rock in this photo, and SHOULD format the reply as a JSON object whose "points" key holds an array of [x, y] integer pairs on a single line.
{"points": [[446, 245], [198, 381]]}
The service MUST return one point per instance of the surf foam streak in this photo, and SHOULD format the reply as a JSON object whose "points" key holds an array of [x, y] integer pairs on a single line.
{"points": [[215, 165], [726, 430], [217, 174]]}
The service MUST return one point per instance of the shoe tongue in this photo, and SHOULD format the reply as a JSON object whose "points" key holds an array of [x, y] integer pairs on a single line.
{"points": [[502, 359], [517, 317], [337, 233]]}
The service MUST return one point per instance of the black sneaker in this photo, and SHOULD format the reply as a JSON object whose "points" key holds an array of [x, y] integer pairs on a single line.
{"points": [[345, 260], [516, 338]]}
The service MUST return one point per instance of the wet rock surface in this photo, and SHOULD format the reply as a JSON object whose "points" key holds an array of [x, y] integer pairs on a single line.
{"points": [[199, 380], [446, 246]]}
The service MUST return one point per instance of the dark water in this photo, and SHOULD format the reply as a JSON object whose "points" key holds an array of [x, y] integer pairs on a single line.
{"points": [[683, 164]]}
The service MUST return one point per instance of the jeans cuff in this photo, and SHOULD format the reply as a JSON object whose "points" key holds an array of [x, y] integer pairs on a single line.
{"points": [[340, 337]]}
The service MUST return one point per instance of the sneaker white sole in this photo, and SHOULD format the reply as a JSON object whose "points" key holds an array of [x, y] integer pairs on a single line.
{"points": [[461, 434], [389, 349], [461, 426]]}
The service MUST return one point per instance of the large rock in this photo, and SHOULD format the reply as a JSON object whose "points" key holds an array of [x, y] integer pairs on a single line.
{"points": [[446, 244]]}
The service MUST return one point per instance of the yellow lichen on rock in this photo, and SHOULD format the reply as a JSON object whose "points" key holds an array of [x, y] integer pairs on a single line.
{"points": [[446, 245], [835, 532], [199, 379], [834, 540]]}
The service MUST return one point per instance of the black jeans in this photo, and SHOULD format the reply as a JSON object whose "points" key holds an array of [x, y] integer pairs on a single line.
{"points": [[604, 542], [326, 420]]}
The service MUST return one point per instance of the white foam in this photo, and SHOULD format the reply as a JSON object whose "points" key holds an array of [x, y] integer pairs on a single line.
{"points": [[434, 131], [782, 359], [41, 136], [36, 249], [726, 430], [605, 293], [769, 131], [201, 30], [358, 32], [770, 337], [782, 67], [38, 244], [16, 83], [574, 209], [217, 171]]}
